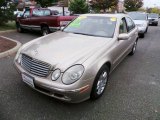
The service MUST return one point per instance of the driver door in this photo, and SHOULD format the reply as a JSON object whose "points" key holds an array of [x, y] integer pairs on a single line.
{"points": [[120, 45], [25, 20]]}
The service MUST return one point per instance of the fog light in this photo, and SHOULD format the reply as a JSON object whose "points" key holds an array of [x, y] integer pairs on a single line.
{"points": [[56, 74]]}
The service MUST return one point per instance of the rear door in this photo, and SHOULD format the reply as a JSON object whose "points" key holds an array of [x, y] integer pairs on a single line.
{"points": [[132, 32]]}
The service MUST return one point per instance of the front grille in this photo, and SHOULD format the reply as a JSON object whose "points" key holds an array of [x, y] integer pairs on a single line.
{"points": [[35, 66]]}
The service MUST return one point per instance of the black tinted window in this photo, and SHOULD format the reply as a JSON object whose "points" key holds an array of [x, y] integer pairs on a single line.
{"points": [[130, 24], [123, 26]]}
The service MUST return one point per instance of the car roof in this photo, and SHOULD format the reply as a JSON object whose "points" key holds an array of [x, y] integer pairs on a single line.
{"points": [[139, 12], [107, 15]]}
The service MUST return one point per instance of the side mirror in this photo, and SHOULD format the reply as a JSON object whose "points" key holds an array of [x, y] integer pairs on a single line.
{"points": [[123, 36]]}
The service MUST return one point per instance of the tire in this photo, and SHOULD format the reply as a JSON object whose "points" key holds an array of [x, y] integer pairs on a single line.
{"points": [[45, 30], [142, 35], [99, 85], [156, 24], [133, 49], [146, 30], [19, 29]]}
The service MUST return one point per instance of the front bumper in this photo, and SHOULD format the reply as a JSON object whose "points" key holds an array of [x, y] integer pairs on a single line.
{"points": [[153, 22], [54, 29], [141, 30], [46, 87]]}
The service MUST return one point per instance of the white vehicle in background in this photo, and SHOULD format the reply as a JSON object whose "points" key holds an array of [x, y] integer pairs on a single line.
{"points": [[141, 20]]}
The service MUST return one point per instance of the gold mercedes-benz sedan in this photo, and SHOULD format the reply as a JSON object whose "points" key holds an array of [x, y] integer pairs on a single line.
{"points": [[74, 64]]}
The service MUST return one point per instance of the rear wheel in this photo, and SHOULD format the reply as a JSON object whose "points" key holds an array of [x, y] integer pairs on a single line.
{"points": [[100, 83], [133, 49], [45, 30]]}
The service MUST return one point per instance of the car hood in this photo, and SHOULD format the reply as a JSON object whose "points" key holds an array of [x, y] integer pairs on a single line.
{"points": [[140, 22], [62, 49]]}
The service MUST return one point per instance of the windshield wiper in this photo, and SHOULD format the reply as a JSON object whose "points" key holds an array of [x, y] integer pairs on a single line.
{"points": [[81, 33], [87, 34]]}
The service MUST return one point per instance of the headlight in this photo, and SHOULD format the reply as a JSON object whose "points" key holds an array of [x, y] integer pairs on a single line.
{"points": [[156, 20], [56, 74], [72, 74], [19, 58]]}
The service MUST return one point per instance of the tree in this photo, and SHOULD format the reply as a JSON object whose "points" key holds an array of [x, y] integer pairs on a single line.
{"points": [[78, 6], [133, 5], [104, 4], [7, 9], [142, 9], [155, 10], [45, 3]]}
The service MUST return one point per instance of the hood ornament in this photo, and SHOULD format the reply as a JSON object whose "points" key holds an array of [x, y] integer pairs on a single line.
{"points": [[35, 52]]}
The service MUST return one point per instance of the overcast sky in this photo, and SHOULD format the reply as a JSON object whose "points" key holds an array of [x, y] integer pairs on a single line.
{"points": [[151, 3]]}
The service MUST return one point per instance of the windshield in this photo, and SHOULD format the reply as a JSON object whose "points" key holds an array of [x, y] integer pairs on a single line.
{"points": [[153, 15], [138, 16], [92, 26]]}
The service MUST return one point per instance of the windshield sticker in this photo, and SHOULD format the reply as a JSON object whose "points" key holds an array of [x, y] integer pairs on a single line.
{"points": [[113, 19], [82, 17], [77, 22]]}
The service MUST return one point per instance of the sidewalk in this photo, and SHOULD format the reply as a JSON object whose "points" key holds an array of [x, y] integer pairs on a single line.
{"points": [[14, 45]]}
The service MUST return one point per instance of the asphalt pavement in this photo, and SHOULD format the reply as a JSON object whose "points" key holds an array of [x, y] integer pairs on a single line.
{"points": [[133, 92]]}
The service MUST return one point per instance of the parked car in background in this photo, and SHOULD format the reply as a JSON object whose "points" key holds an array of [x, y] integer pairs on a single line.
{"points": [[141, 20], [74, 64], [153, 19], [41, 19]]}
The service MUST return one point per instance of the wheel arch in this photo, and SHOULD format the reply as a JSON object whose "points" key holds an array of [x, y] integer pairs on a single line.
{"points": [[44, 25]]}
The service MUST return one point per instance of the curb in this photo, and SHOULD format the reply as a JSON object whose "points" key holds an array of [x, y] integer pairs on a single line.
{"points": [[7, 31], [11, 51]]}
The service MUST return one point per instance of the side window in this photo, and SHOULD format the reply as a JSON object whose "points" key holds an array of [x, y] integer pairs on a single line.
{"points": [[27, 13], [123, 26], [37, 12], [130, 24], [47, 13]]}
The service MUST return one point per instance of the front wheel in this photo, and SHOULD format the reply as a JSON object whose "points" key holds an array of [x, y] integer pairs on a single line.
{"points": [[146, 30], [19, 28], [142, 35], [156, 24], [100, 83], [45, 30], [133, 49]]}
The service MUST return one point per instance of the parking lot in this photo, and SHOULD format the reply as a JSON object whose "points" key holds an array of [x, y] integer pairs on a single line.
{"points": [[132, 92]]}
